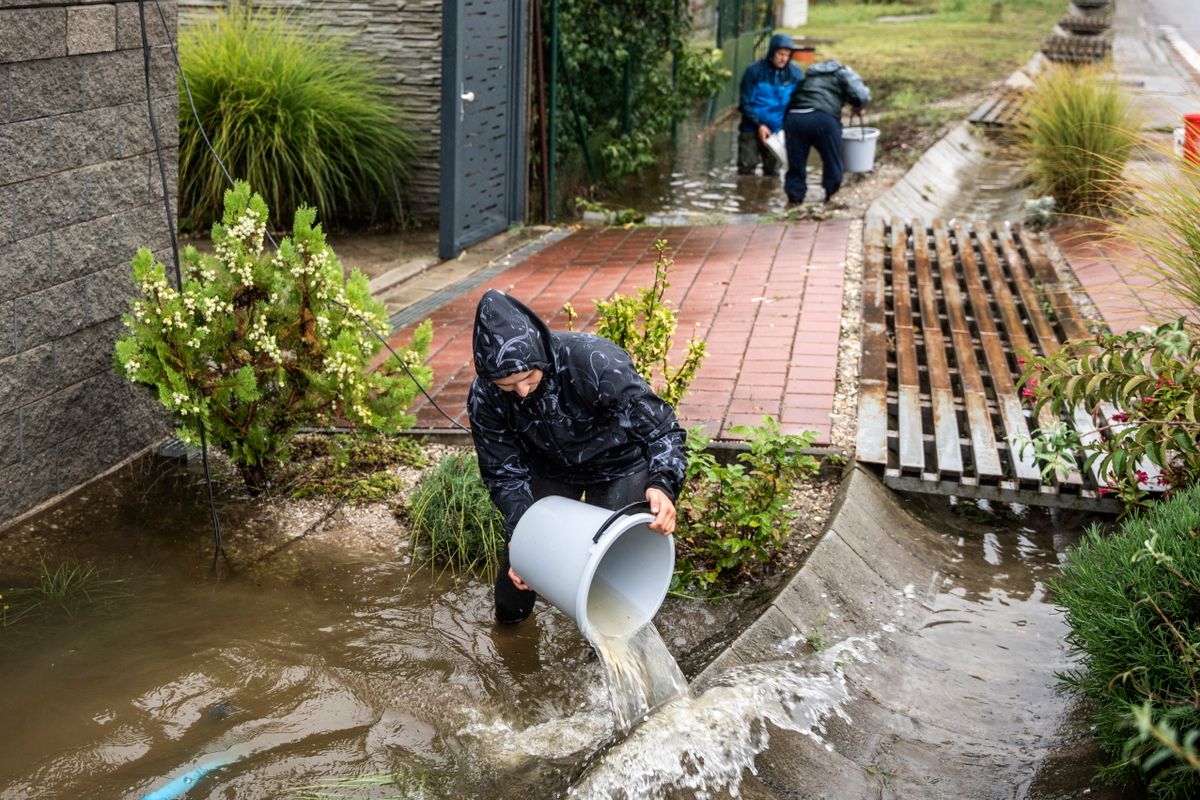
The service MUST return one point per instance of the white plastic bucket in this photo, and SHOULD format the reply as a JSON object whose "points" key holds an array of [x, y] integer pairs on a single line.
{"points": [[777, 145], [609, 578], [858, 148]]}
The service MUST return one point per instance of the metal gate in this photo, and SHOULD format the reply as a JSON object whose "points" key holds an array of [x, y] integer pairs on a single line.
{"points": [[483, 136]]}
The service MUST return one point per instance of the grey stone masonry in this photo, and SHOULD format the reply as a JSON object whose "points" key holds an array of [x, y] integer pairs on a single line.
{"points": [[405, 37], [80, 191]]}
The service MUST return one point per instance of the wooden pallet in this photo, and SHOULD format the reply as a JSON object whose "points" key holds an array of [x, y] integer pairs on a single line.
{"points": [[1000, 114], [1076, 49], [947, 309]]}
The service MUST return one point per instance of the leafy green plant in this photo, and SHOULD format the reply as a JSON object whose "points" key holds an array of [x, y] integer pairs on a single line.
{"points": [[645, 327], [1130, 599], [67, 587], [1142, 390], [296, 113], [1077, 133], [1162, 733], [257, 345], [453, 518], [647, 76], [735, 514]]}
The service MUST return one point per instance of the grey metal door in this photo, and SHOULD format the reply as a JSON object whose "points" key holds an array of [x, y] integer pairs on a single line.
{"points": [[483, 120]]}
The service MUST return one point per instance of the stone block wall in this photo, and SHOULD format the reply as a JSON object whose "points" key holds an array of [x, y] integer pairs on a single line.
{"points": [[405, 37], [80, 191]]}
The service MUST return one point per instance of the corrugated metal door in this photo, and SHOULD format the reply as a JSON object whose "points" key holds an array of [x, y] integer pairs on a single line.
{"points": [[483, 120]]}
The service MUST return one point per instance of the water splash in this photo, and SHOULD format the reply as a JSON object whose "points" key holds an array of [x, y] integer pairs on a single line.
{"points": [[706, 743], [640, 673]]}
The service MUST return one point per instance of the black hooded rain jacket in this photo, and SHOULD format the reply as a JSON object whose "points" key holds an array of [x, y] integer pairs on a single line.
{"points": [[592, 419]]}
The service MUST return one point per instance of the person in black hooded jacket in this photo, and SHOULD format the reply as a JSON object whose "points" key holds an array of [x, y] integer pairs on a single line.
{"points": [[561, 413]]}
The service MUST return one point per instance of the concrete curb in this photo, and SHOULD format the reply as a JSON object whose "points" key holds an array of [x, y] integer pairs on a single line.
{"points": [[937, 177]]}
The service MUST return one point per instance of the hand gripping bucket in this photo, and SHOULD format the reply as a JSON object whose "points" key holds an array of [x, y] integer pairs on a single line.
{"points": [[605, 570], [858, 148]]}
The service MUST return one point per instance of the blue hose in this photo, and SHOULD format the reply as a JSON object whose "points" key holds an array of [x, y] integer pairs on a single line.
{"points": [[180, 786]]}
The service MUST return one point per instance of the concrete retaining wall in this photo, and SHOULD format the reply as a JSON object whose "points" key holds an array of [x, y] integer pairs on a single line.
{"points": [[79, 192], [937, 177], [406, 38]]}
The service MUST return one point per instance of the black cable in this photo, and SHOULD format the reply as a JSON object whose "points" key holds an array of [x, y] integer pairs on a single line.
{"points": [[218, 547], [208, 143]]}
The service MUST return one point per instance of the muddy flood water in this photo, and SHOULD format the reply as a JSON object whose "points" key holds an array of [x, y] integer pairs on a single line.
{"points": [[322, 671]]}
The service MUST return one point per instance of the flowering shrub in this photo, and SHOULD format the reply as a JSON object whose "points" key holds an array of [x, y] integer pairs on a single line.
{"points": [[257, 345], [1141, 388]]}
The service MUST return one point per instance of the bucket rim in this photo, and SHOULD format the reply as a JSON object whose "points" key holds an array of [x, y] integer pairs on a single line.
{"points": [[859, 133], [596, 555]]}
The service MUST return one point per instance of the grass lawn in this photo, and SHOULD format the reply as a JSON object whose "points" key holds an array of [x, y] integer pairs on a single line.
{"points": [[929, 70]]}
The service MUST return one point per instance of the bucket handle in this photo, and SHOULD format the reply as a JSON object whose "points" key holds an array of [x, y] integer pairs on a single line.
{"points": [[640, 504], [862, 128]]}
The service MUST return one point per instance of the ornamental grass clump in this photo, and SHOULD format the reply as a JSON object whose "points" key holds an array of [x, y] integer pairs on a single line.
{"points": [[1132, 602], [294, 112], [1077, 134], [257, 344], [453, 519], [1163, 221]]}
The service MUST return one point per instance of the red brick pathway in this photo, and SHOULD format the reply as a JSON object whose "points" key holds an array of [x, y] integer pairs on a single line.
{"points": [[1114, 274], [766, 298]]}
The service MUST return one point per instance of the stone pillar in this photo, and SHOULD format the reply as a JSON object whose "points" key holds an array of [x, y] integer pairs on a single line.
{"points": [[80, 191]]}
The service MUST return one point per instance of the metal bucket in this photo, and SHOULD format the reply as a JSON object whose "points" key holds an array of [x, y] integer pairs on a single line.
{"points": [[605, 570], [858, 148]]}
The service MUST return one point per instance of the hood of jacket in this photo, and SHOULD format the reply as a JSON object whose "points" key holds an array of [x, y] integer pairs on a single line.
{"points": [[508, 337], [777, 41]]}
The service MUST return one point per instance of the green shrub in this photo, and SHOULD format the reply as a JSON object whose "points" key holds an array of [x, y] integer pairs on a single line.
{"points": [[259, 344], [453, 519], [645, 327], [734, 515], [1132, 602], [1077, 135], [294, 112], [1142, 386]]}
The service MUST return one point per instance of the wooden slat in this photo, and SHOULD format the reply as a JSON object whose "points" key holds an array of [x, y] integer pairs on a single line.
{"points": [[1011, 413], [912, 444], [1047, 339], [1060, 299], [979, 420], [945, 422], [1011, 319], [872, 394]]}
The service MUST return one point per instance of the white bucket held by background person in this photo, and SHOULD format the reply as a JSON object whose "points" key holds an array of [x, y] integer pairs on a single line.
{"points": [[605, 570], [858, 148]]}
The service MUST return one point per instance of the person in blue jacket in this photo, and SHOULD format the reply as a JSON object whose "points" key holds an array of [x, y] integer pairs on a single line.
{"points": [[763, 96], [564, 413], [814, 119]]}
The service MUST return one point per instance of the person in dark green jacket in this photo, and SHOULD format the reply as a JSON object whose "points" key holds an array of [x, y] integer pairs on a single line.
{"points": [[814, 119]]}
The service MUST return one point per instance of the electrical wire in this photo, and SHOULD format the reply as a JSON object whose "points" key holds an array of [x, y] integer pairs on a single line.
{"points": [[218, 546]]}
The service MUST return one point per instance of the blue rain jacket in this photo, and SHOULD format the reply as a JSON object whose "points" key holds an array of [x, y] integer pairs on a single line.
{"points": [[764, 92]]}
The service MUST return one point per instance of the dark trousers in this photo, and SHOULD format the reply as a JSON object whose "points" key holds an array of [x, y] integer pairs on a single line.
{"points": [[751, 151], [806, 130], [513, 604]]}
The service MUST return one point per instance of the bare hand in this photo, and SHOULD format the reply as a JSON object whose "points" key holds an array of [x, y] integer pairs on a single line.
{"points": [[516, 579], [663, 510], [763, 133]]}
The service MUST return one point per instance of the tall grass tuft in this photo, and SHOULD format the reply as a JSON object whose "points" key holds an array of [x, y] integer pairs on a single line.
{"points": [[453, 518], [1163, 221], [1077, 134], [295, 113], [67, 587]]}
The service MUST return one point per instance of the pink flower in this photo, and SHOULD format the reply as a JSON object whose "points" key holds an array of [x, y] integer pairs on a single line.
{"points": [[1105, 490], [1142, 476], [1120, 416], [1021, 362], [1028, 393], [1163, 480]]}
